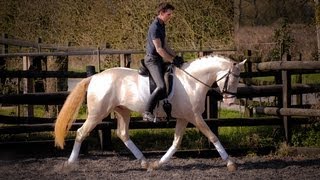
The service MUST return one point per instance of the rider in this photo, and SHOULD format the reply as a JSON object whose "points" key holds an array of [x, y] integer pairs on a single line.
{"points": [[158, 52]]}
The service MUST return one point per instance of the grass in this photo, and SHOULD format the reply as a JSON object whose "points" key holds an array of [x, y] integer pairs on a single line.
{"points": [[306, 79], [39, 111], [309, 78], [8, 111], [231, 137], [26, 137], [161, 139]]}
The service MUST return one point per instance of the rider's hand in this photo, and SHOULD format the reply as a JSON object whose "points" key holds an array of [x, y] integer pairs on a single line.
{"points": [[178, 61]]}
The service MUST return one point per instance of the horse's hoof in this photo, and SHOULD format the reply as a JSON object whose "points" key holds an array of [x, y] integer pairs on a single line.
{"points": [[232, 167], [153, 166], [66, 167], [144, 164]]}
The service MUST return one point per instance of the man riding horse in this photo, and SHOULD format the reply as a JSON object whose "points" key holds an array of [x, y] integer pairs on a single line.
{"points": [[158, 52], [123, 90]]}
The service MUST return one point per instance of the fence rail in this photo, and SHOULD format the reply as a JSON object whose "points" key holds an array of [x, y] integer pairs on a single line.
{"points": [[281, 70], [242, 92], [288, 65], [287, 111]]}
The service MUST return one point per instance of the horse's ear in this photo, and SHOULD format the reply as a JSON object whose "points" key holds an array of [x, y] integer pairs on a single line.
{"points": [[242, 63]]}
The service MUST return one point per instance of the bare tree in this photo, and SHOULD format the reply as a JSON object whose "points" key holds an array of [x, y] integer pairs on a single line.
{"points": [[317, 14], [237, 20], [237, 14]]}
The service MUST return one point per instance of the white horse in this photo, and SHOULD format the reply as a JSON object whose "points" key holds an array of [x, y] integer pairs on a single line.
{"points": [[123, 90]]}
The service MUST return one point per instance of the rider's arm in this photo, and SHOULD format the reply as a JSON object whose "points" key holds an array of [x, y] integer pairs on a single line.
{"points": [[168, 49], [161, 51]]}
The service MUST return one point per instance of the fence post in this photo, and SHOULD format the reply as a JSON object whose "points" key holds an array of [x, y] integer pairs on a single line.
{"points": [[38, 66], [28, 85], [200, 54], [98, 59], [248, 81], [62, 63], [286, 98], [125, 60], [299, 81], [105, 134]]}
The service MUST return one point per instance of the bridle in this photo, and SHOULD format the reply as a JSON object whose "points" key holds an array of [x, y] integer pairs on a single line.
{"points": [[225, 86]]}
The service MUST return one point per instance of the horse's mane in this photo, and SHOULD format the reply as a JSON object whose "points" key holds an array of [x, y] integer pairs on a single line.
{"points": [[206, 61], [217, 56], [212, 58]]}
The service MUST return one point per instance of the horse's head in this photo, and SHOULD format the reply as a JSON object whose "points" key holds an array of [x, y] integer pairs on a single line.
{"points": [[228, 82]]}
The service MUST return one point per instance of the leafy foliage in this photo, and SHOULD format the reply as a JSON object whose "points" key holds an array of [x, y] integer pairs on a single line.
{"points": [[283, 39], [122, 24], [307, 136]]}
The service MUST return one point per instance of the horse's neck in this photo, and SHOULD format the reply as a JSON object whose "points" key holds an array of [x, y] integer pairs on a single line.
{"points": [[206, 68]]}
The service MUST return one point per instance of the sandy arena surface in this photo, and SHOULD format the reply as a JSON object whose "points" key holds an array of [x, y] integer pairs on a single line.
{"points": [[106, 165]]}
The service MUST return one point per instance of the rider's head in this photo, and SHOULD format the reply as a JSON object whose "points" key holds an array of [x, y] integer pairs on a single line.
{"points": [[165, 11]]}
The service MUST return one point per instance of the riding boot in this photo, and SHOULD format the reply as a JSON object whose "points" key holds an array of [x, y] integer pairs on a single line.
{"points": [[154, 98]]}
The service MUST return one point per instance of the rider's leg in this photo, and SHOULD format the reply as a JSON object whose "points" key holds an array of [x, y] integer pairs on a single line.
{"points": [[155, 69], [123, 118]]}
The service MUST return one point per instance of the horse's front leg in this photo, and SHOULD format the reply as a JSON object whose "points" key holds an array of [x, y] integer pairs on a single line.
{"points": [[123, 118], [181, 125], [203, 127]]}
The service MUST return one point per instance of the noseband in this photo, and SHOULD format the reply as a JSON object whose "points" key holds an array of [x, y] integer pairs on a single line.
{"points": [[225, 86]]}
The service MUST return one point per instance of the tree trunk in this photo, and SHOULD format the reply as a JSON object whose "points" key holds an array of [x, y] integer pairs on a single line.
{"points": [[237, 19], [237, 14], [317, 14], [3, 60]]}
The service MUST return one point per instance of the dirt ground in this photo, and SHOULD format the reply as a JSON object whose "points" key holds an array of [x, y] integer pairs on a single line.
{"points": [[108, 165]]}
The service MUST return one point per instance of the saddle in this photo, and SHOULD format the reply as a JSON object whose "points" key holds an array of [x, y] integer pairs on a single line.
{"points": [[168, 78]]}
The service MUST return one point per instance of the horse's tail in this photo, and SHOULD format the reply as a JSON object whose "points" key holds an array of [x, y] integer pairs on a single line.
{"points": [[69, 111]]}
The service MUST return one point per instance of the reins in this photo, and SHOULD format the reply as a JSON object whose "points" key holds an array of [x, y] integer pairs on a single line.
{"points": [[224, 91], [203, 82]]}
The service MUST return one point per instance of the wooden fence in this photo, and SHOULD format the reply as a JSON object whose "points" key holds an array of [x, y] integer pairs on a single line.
{"points": [[282, 72], [283, 91]]}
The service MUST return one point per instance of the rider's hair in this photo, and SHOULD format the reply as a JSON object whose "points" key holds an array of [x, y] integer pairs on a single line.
{"points": [[164, 6]]}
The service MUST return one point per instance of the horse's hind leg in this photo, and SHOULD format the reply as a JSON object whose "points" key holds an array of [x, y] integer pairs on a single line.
{"points": [[82, 133], [181, 125], [123, 118]]}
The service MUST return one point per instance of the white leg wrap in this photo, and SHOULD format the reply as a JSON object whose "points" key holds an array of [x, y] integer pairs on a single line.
{"points": [[133, 148], [221, 150], [75, 152], [165, 158], [229, 162]]}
